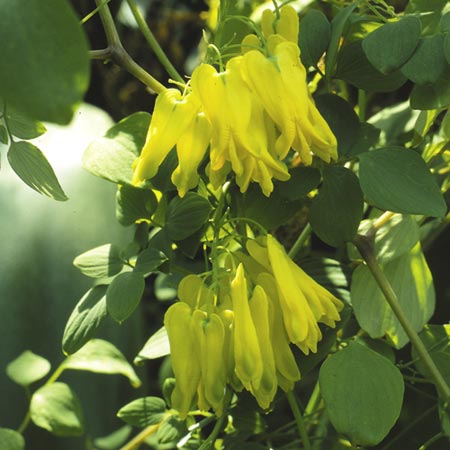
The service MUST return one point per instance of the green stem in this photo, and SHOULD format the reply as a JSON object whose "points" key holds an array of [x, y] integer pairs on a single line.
{"points": [[209, 442], [365, 247], [300, 242], [313, 400], [298, 419], [150, 38], [25, 422], [119, 55], [362, 104], [432, 440]]}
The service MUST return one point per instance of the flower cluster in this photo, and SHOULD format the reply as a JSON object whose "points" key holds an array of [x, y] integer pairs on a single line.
{"points": [[249, 115], [236, 332]]}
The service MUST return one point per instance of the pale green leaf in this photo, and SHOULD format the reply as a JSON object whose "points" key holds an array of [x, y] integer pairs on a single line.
{"points": [[362, 392], [124, 294], [56, 408], [411, 280], [44, 61], [156, 346], [27, 368], [102, 357], [11, 440], [100, 262], [32, 167], [85, 319], [143, 412]]}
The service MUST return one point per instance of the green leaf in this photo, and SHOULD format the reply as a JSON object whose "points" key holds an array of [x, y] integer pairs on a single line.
{"points": [[390, 46], [143, 412], [411, 280], [397, 179], [156, 347], [397, 237], [337, 210], [447, 47], [186, 215], [56, 408], [134, 204], [124, 294], [114, 440], [149, 260], [100, 262], [101, 356], [432, 96], [341, 118], [273, 211], [44, 68], [32, 167], [363, 393], [22, 126], [303, 180], [27, 368], [437, 341], [111, 157], [4, 138], [444, 23], [11, 440], [367, 137], [337, 29], [85, 319], [428, 63], [314, 36], [354, 67], [171, 431]]}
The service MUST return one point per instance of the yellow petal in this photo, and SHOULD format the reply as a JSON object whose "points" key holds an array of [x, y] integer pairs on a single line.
{"points": [[288, 23], [299, 320], [247, 353], [286, 365], [171, 117], [259, 308], [191, 149], [185, 364]]}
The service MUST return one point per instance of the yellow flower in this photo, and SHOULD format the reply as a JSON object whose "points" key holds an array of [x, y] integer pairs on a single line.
{"points": [[302, 301], [280, 84], [286, 26], [186, 368], [240, 134], [247, 353], [176, 120]]}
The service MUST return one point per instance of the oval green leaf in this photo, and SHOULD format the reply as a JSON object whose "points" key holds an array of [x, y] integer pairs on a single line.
{"points": [[124, 294], [11, 440], [112, 156], [314, 36], [156, 346], [44, 61], [337, 209], [101, 356], [186, 215], [411, 280], [56, 408], [149, 260], [134, 205], [363, 393], [27, 368], [85, 319], [390, 46], [432, 96], [341, 118], [30, 164], [22, 126], [428, 62], [143, 412], [354, 67], [100, 262], [397, 179]]}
